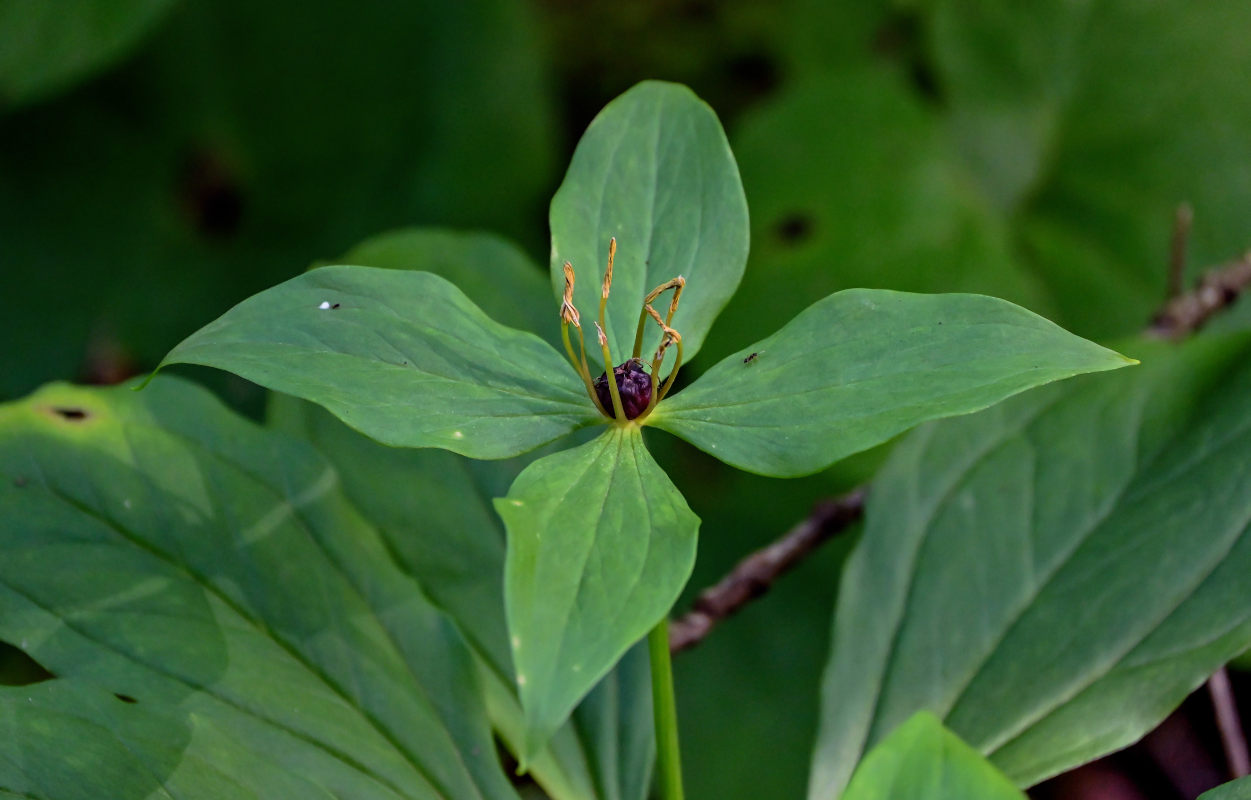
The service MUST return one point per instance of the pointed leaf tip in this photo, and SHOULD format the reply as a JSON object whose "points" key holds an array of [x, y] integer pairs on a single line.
{"points": [[863, 365], [404, 357]]}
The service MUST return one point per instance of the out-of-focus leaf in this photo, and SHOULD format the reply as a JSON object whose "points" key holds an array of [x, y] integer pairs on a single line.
{"points": [[50, 46], [1054, 575], [493, 272], [852, 184], [864, 365], [404, 357], [245, 141], [1090, 123], [600, 543], [219, 619], [655, 171], [922, 760]]}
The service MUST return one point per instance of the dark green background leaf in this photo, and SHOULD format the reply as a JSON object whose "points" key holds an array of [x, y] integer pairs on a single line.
{"points": [[49, 46], [1054, 575], [1088, 138], [600, 543], [403, 357], [922, 760], [655, 171], [162, 550], [244, 141], [853, 184], [863, 365]]}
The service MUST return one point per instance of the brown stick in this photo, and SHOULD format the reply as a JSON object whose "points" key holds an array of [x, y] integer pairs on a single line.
{"points": [[753, 576], [1187, 313], [1232, 739], [1182, 221]]}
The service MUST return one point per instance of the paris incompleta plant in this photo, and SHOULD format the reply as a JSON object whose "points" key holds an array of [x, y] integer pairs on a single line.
{"points": [[600, 541]]}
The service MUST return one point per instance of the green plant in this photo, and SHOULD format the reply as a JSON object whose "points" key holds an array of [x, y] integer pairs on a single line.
{"points": [[230, 611], [600, 540]]}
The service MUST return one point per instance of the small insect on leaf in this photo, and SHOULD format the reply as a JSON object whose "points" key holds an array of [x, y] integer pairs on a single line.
{"points": [[751, 358]]}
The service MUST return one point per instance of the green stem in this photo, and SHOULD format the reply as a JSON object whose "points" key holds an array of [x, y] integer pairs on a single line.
{"points": [[665, 713]]}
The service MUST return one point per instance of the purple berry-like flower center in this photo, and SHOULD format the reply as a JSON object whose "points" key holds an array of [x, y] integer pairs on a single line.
{"points": [[633, 384]]}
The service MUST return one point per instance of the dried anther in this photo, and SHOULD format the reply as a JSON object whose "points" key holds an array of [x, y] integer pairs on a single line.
{"points": [[633, 384]]}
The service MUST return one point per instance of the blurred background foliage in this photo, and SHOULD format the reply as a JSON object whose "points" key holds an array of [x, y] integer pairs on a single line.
{"points": [[162, 159]]}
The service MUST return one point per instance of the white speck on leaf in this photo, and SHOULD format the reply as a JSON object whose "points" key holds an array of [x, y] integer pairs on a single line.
{"points": [[325, 305], [457, 435], [521, 680], [517, 503], [126, 504], [516, 642]]}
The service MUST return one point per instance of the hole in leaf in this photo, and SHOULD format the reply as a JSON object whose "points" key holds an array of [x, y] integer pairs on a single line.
{"points": [[19, 669], [70, 413], [794, 228], [754, 73], [125, 698], [210, 194], [900, 39]]}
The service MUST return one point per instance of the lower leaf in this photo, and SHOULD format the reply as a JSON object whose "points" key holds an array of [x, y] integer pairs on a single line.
{"points": [[600, 543]]}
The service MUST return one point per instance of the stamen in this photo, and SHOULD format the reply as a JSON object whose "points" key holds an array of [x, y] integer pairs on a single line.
{"points": [[612, 252], [568, 312]]}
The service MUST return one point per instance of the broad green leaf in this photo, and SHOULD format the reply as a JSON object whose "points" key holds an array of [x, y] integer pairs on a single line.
{"points": [[219, 619], [1234, 790], [655, 171], [403, 357], [1088, 124], [432, 509], [600, 542], [854, 184], [50, 46], [492, 272], [922, 760], [1054, 575], [863, 365], [231, 152]]}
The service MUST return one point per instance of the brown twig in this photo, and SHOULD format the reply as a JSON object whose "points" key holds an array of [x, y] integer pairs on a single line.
{"points": [[1187, 313], [1182, 222], [753, 576], [1232, 739]]}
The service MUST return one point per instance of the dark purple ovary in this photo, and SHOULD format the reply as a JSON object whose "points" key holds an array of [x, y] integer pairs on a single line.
{"points": [[633, 384]]}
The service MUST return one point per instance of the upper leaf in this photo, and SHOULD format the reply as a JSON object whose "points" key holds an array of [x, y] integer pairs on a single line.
{"points": [[1053, 576], [600, 543], [401, 356], [922, 760], [655, 171], [862, 365], [220, 621]]}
